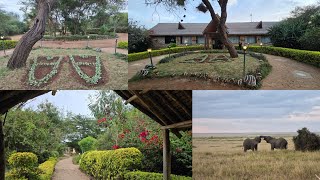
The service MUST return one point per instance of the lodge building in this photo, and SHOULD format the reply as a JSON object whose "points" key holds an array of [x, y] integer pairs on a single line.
{"points": [[202, 33]]}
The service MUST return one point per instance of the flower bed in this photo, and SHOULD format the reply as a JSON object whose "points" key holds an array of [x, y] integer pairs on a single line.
{"points": [[77, 65], [33, 81]]}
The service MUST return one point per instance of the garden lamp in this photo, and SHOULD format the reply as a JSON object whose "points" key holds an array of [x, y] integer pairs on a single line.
{"points": [[4, 50], [244, 61], [115, 48], [149, 51], [88, 41], [261, 44], [169, 50]]}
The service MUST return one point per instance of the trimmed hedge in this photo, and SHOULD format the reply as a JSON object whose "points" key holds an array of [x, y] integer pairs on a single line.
{"points": [[110, 164], [79, 37], [139, 175], [144, 55], [309, 57], [123, 45], [8, 44], [47, 168]]}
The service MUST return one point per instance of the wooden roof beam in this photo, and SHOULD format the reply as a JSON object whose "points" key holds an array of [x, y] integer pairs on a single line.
{"points": [[178, 125], [185, 109]]}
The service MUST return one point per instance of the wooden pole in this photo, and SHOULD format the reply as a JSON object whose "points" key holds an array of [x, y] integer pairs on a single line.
{"points": [[166, 155], [2, 153]]}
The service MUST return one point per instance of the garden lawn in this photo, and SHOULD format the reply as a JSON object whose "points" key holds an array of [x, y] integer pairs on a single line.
{"points": [[16, 79], [225, 70]]}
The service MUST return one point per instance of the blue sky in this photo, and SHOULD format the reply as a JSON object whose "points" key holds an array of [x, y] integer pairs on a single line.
{"points": [[238, 11], [75, 101], [255, 111]]}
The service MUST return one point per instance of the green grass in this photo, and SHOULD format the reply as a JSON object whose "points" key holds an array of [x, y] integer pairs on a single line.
{"points": [[225, 70]]}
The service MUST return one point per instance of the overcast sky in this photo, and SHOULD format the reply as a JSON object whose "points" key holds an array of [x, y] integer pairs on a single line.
{"points": [[238, 11], [255, 111], [75, 101]]}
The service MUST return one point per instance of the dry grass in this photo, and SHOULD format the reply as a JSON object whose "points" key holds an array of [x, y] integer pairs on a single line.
{"points": [[226, 70], [223, 158], [117, 71]]}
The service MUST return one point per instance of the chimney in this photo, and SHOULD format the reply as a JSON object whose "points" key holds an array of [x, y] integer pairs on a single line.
{"points": [[180, 26]]}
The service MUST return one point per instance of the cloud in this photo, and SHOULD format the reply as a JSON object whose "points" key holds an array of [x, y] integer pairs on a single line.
{"points": [[232, 2]]}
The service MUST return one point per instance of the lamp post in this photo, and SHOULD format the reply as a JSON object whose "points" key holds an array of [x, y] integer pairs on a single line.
{"points": [[244, 61], [169, 50], [88, 41], [149, 51], [4, 50], [115, 48]]}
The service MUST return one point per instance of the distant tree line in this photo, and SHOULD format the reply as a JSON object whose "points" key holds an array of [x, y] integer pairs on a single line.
{"points": [[10, 24]]}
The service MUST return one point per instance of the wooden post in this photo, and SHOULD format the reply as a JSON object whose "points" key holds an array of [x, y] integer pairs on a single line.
{"points": [[166, 155], [2, 153]]}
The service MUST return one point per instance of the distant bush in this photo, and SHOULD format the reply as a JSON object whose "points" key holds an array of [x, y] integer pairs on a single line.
{"points": [[110, 164], [87, 144], [306, 141], [308, 57], [144, 55], [123, 45], [8, 44], [139, 175], [76, 159], [311, 39], [172, 45], [79, 37], [47, 168], [23, 166]]}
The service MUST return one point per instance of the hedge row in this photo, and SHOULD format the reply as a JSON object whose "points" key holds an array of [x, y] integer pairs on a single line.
{"points": [[8, 44], [79, 37], [144, 55], [47, 168], [309, 57], [139, 175], [110, 164], [123, 45]]}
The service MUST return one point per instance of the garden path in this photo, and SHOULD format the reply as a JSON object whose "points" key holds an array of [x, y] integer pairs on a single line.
{"points": [[136, 66], [290, 74], [65, 169]]}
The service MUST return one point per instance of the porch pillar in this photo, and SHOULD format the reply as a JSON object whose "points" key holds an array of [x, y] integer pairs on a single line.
{"points": [[166, 155]]}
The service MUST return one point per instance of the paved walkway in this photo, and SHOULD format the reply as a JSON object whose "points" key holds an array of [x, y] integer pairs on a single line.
{"points": [[136, 66], [288, 74], [65, 169]]}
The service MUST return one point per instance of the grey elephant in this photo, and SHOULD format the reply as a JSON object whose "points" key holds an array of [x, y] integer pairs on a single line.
{"points": [[251, 144], [279, 143]]}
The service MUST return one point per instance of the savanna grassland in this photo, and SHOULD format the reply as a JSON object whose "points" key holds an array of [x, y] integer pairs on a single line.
{"points": [[223, 158]]}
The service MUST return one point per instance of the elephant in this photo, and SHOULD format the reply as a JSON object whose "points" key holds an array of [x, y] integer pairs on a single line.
{"points": [[280, 143], [251, 144]]}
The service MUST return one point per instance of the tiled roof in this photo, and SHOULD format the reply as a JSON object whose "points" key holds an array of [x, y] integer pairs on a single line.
{"points": [[238, 28]]}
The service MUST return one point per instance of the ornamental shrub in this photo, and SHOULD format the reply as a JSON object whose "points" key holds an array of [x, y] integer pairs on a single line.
{"points": [[123, 45], [87, 144], [79, 37], [139, 175], [47, 168], [8, 44], [308, 57], [23, 166], [144, 55], [110, 164], [306, 141]]}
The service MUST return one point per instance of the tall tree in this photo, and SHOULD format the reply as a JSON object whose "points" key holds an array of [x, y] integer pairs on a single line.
{"points": [[25, 44], [205, 6]]}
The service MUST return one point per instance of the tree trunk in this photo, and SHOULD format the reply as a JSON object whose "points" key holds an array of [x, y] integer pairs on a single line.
{"points": [[24, 46], [222, 28], [2, 153]]}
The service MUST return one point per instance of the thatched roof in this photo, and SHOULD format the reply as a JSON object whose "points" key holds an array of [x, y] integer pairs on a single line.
{"points": [[9, 99], [172, 109]]}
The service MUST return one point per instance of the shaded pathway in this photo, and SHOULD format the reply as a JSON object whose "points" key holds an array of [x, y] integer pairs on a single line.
{"points": [[291, 74], [65, 169]]}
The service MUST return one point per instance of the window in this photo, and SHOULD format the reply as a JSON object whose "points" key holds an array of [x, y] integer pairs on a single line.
{"points": [[265, 39], [187, 40], [200, 40], [170, 39], [234, 39], [251, 39]]}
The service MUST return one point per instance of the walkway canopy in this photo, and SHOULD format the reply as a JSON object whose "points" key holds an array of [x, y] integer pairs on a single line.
{"points": [[171, 109]]}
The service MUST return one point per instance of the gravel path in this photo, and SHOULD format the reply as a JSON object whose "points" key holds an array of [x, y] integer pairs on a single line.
{"points": [[288, 74], [66, 170]]}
